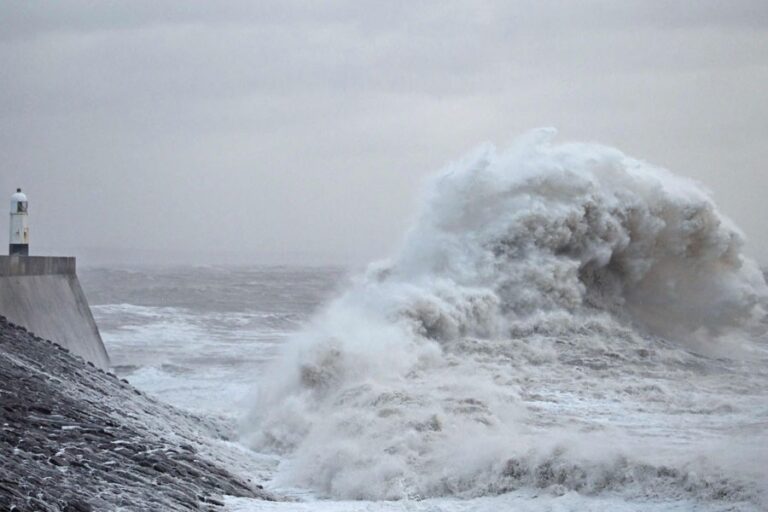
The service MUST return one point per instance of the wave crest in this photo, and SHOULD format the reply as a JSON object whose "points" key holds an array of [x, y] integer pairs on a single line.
{"points": [[540, 288]]}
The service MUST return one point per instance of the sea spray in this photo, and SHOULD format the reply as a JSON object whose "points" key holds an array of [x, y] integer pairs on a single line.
{"points": [[553, 319]]}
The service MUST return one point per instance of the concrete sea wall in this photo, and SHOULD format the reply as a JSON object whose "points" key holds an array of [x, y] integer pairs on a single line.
{"points": [[44, 295]]}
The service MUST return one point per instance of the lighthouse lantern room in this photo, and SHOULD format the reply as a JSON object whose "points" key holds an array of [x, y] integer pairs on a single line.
{"points": [[19, 239]]}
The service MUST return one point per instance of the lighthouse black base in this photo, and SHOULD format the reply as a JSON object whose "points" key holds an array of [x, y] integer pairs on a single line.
{"points": [[18, 249]]}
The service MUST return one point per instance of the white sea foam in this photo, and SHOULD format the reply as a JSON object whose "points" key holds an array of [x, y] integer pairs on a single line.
{"points": [[556, 319], [517, 502], [201, 361]]}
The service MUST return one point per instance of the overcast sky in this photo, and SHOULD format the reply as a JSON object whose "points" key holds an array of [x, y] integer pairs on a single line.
{"points": [[186, 131]]}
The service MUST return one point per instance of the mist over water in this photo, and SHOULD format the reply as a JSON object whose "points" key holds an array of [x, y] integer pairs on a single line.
{"points": [[560, 317]]}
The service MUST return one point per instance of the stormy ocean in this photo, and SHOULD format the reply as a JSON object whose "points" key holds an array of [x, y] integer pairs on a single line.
{"points": [[562, 328]]}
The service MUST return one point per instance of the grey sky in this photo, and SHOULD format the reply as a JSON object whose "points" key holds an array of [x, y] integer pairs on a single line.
{"points": [[301, 131]]}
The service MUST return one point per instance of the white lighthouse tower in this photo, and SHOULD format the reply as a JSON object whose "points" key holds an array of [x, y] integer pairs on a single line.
{"points": [[19, 239]]}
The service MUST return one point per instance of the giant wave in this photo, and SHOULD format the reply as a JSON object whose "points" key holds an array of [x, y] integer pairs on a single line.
{"points": [[558, 317]]}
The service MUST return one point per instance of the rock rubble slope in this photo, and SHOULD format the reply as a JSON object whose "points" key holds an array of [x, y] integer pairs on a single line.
{"points": [[74, 438]]}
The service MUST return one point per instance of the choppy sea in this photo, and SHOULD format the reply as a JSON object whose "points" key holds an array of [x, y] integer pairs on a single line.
{"points": [[200, 338]]}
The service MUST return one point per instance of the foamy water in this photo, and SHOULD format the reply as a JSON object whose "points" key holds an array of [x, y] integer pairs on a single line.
{"points": [[561, 318], [563, 328], [198, 337]]}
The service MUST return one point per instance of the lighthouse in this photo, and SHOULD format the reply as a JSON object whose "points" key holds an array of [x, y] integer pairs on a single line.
{"points": [[19, 239]]}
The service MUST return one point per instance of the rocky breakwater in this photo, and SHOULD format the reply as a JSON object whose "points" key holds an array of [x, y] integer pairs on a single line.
{"points": [[74, 438]]}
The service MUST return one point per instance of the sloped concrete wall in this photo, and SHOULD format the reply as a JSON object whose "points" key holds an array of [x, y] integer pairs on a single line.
{"points": [[44, 295]]}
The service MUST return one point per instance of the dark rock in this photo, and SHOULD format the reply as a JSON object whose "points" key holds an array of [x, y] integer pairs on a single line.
{"points": [[58, 461], [78, 506], [41, 409]]}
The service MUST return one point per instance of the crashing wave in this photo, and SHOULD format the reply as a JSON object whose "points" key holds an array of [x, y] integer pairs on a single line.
{"points": [[543, 289]]}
